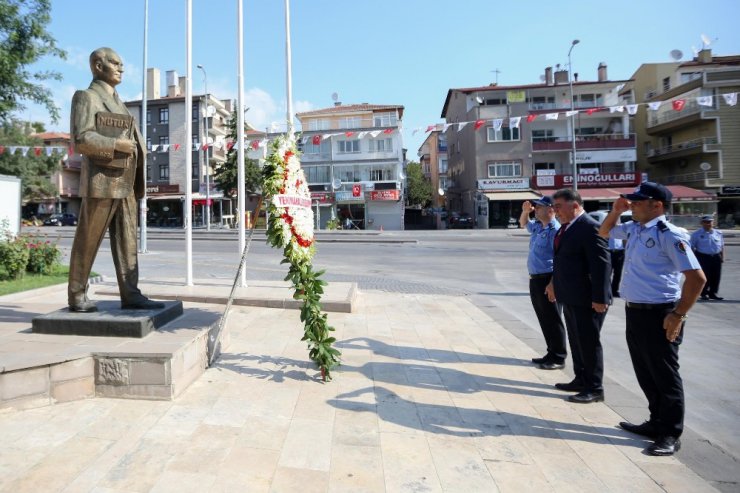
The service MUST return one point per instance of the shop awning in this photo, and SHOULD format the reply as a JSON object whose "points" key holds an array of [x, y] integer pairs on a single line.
{"points": [[680, 193], [518, 195], [165, 197]]}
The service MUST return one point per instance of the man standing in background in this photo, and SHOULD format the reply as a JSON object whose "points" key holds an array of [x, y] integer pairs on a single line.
{"points": [[539, 264], [709, 246]]}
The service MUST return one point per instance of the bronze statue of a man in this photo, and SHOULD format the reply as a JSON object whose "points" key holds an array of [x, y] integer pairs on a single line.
{"points": [[112, 178]]}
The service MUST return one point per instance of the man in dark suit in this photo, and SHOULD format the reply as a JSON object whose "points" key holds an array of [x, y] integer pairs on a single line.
{"points": [[111, 181], [581, 283]]}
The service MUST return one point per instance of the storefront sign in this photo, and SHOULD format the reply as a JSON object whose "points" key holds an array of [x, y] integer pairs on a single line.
{"points": [[515, 96], [607, 156], [589, 180], [385, 195], [321, 197], [504, 184], [202, 201], [348, 197], [730, 191], [162, 189]]}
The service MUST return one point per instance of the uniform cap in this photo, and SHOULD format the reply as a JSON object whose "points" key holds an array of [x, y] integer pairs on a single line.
{"points": [[546, 201], [650, 190], [707, 218]]}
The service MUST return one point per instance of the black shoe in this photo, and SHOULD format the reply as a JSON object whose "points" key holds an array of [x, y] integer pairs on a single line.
{"points": [[572, 386], [538, 361], [144, 304], [715, 297], [704, 297], [587, 397], [551, 365], [86, 306], [665, 446], [646, 429]]}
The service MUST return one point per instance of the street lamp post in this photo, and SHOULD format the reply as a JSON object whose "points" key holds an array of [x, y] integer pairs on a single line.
{"points": [[205, 152], [573, 118]]}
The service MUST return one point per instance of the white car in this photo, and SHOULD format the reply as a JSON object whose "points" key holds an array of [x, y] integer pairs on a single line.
{"points": [[599, 216]]}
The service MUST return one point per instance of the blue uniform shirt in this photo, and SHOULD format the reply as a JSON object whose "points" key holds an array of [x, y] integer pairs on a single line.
{"points": [[708, 243], [541, 249], [615, 244], [653, 261]]}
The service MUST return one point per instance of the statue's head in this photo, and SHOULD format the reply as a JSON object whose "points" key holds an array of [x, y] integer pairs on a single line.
{"points": [[106, 65]]}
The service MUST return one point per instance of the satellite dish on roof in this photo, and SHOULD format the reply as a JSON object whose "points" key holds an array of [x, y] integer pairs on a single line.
{"points": [[401, 175], [334, 96], [705, 41], [705, 166], [441, 191], [676, 54], [336, 183], [479, 99]]}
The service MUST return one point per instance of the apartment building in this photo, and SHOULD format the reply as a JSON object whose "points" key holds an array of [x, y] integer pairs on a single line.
{"points": [[166, 176], [353, 158], [521, 143], [66, 179], [433, 159], [697, 147]]}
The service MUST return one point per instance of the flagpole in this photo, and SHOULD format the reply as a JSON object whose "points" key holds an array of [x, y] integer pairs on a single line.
{"points": [[240, 134], [288, 70], [187, 209], [142, 124]]}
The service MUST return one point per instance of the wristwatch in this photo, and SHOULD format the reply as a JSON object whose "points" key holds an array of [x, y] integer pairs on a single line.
{"points": [[683, 316]]}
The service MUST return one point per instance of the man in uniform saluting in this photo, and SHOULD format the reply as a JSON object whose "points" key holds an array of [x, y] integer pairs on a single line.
{"points": [[657, 254]]}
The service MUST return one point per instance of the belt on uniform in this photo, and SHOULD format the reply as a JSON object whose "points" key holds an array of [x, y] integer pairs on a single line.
{"points": [[540, 276], [649, 306], [709, 254]]}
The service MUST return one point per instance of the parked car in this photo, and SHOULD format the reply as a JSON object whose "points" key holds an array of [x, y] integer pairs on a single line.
{"points": [[460, 220], [66, 219], [599, 216]]}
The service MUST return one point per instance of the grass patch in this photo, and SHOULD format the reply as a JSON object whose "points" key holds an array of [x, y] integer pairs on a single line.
{"points": [[59, 275]]}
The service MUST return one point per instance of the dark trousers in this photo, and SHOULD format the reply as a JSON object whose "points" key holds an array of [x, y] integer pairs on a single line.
{"points": [[617, 263], [655, 361], [584, 329], [118, 217], [712, 267], [549, 316]]}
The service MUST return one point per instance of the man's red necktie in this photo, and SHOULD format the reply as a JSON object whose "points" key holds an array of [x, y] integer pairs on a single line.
{"points": [[556, 241]]}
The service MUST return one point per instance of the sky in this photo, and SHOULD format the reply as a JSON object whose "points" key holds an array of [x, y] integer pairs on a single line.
{"points": [[406, 52]]}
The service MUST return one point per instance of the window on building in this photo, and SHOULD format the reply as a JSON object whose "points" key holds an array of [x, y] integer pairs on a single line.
{"points": [[545, 135], [164, 172], [348, 173], [323, 148], [319, 124], [504, 134], [148, 143], [443, 182], [689, 76], [381, 145], [163, 141], [504, 169], [148, 117], [196, 172], [196, 113], [350, 122], [543, 166], [148, 173], [443, 165], [388, 119], [317, 174], [494, 101], [589, 131], [382, 172], [164, 115], [666, 84], [195, 139], [348, 146]]}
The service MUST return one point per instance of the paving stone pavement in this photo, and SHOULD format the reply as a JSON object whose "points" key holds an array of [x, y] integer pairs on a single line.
{"points": [[433, 395]]}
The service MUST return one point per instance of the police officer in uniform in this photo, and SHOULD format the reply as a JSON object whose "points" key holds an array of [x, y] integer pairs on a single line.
{"points": [[656, 255], [709, 247], [539, 264]]}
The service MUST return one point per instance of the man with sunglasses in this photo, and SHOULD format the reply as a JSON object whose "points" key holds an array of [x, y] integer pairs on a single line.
{"points": [[656, 256]]}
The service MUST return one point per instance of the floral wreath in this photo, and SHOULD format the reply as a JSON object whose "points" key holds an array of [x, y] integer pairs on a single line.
{"points": [[290, 227]]}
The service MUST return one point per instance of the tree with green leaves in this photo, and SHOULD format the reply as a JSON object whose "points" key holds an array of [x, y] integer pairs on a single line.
{"points": [[34, 171], [419, 187], [226, 174], [23, 41]]}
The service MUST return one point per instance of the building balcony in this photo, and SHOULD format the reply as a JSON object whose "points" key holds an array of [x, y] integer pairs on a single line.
{"points": [[579, 105], [701, 176], [691, 113], [682, 149], [587, 142]]}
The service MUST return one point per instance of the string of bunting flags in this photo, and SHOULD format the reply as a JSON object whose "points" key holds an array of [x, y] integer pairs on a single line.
{"points": [[679, 104]]}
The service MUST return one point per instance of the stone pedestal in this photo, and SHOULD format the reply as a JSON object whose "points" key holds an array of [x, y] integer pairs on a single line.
{"points": [[110, 320]]}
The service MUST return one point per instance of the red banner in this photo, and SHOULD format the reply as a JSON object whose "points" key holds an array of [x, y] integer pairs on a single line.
{"points": [[385, 195], [356, 190]]}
